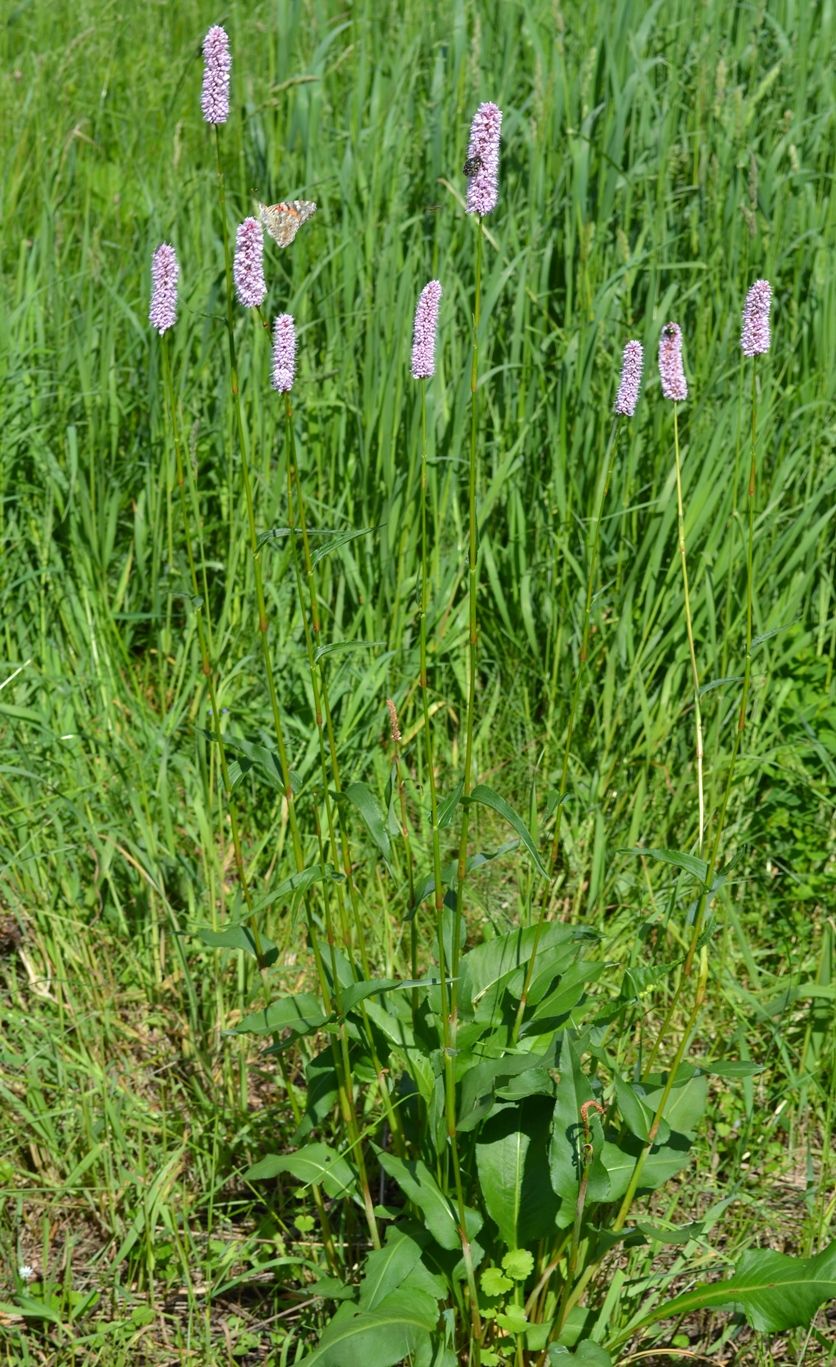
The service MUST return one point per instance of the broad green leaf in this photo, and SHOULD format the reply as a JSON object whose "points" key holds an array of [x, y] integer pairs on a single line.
{"points": [[662, 1163], [358, 992], [689, 862], [316, 1164], [511, 1159], [586, 1354], [566, 1156], [637, 1114], [302, 1014], [419, 1186], [238, 937], [361, 796], [396, 1330], [685, 1106], [494, 1282], [387, 1268], [487, 971], [774, 1291], [567, 994], [488, 798]]}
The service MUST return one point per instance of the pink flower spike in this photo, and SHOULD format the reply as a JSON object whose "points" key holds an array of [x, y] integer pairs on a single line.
{"points": [[674, 383], [482, 165], [165, 271], [284, 353], [247, 268], [632, 364], [424, 331], [754, 338], [217, 64]]}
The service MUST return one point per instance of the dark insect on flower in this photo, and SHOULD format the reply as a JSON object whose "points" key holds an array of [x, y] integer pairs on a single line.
{"points": [[472, 165]]}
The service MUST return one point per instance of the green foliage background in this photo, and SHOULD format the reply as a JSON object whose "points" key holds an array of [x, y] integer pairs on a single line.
{"points": [[656, 159]]}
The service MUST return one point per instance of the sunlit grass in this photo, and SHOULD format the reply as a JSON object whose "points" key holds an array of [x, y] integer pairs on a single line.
{"points": [[653, 165]]}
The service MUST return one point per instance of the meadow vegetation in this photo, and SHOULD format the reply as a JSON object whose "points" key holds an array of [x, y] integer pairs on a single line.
{"points": [[238, 1032]]}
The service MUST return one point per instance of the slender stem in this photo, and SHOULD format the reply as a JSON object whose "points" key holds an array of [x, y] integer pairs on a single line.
{"points": [[680, 517], [438, 893], [449, 1015], [345, 1094], [592, 553], [472, 591], [744, 697], [205, 658]]}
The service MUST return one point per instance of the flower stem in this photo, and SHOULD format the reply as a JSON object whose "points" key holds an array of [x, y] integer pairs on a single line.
{"points": [[695, 678]]}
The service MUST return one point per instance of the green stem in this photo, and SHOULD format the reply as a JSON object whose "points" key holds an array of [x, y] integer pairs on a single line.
{"points": [[744, 697], [449, 1011], [472, 591], [592, 553], [695, 678]]}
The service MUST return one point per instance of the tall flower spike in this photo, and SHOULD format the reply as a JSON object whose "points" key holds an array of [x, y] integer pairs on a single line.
{"points": [[165, 271], [424, 331], [754, 338], [217, 64], [284, 353], [482, 165], [674, 383], [248, 268], [632, 364]]}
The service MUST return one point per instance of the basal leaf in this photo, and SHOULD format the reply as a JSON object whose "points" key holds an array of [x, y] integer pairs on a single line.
{"points": [[395, 1331], [773, 1290], [238, 937], [302, 1014], [316, 1164]]}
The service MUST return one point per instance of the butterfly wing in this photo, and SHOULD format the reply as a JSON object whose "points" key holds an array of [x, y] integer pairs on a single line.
{"points": [[283, 221]]}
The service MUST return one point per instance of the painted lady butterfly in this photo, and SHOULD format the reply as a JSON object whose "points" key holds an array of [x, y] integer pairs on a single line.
{"points": [[283, 221]]}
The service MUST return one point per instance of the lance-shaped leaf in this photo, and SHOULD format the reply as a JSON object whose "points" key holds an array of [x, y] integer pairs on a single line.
{"points": [[774, 1291], [396, 1330], [316, 1164]]}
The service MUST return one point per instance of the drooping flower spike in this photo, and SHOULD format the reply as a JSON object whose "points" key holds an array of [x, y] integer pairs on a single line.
{"points": [[482, 165], [284, 353], [248, 267], [424, 331], [754, 337], [671, 373], [632, 364], [217, 64], [165, 271]]}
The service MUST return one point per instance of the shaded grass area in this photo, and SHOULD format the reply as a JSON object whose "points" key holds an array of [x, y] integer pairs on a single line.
{"points": [[653, 163]]}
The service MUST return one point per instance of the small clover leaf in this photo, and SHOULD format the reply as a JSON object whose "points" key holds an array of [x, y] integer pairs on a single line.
{"points": [[494, 1282], [518, 1264]]}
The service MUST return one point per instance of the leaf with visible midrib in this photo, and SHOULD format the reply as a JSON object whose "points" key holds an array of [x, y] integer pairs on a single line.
{"points": [[394, 1331], [774, 1291]]}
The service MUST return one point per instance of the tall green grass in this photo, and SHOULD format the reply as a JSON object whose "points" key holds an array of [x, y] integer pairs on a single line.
{"points": [[655, 160]]}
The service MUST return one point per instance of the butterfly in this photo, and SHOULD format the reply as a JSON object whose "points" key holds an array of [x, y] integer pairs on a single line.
{"points": [[472, 165], [284, 220]]}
